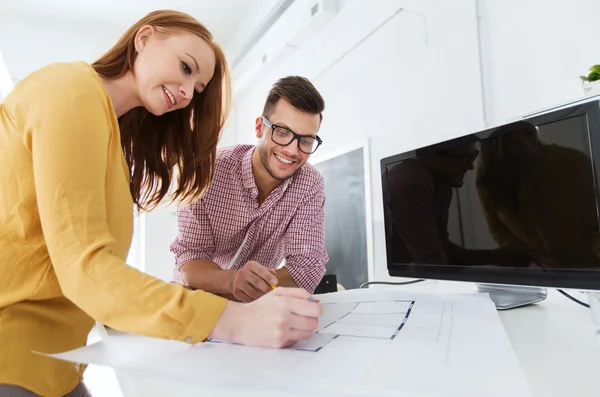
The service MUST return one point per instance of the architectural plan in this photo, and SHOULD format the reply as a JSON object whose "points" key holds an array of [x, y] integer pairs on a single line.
{"points": [[380, 320], [381, 342]]}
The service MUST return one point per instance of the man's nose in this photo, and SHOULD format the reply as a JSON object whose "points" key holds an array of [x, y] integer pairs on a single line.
{"points": [[292, 148]]}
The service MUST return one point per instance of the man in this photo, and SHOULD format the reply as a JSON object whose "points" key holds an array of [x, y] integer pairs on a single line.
{"points": [[264, 206], [421, 191]]}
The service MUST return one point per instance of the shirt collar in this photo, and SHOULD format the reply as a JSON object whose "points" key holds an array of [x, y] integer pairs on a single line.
{"points": [[247, 175]]}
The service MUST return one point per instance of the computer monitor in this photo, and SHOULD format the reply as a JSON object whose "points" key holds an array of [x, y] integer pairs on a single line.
{"points": [[511, 207]]}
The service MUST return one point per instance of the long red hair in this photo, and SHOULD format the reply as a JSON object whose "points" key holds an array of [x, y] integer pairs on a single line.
{"points": [[181, 144]]}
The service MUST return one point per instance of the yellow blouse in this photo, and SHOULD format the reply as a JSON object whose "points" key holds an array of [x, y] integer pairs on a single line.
{"points": [[65, 229]]}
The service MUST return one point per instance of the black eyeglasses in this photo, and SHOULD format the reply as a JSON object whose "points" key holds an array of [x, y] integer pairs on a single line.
{"points": [[283, 137]]}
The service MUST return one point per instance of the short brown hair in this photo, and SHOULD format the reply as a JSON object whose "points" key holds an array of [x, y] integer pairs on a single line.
{"points": [[298, 92], [180, 145]]}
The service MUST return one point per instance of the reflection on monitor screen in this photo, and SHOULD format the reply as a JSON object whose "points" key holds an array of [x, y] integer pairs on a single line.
{"points": [[517, 203]]}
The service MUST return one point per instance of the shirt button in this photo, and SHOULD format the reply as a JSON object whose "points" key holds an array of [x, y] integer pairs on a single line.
{"points": [[188, 340]]}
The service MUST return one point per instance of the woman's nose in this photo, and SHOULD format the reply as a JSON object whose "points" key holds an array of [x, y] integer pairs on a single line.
{"points": [[186, 92]]}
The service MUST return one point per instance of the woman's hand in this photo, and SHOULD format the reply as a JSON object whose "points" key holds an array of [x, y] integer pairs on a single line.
{"points": [[280, 318]]}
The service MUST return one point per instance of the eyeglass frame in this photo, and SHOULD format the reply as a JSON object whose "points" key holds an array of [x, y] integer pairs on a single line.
{"points": [[294, 135]]}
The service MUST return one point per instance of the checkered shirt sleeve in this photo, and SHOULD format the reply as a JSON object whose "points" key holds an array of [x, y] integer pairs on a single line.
{"points": [[194, 237], [306, 254]]}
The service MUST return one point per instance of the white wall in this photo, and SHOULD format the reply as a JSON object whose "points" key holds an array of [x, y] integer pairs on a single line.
{"points": [[34, 33], [47, 39], [534, 52], [388, 74], [6, 83], [409, 73], [159, 231]]}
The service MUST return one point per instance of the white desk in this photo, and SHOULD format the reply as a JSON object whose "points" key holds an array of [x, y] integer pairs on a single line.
{"points": [[555, 341]]}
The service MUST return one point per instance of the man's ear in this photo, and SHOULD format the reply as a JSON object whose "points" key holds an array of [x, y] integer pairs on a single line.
{"points": [[258, 127], [142, 36]]}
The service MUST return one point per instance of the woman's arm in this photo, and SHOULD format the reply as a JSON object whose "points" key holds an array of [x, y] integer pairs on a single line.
{"points": [[69, 139]]}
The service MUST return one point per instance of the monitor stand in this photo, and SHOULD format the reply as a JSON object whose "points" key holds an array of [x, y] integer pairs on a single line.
{"points": [[509, 296]]}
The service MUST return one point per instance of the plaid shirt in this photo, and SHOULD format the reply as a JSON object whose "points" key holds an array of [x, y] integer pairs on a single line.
{"points": [[228, 227]]}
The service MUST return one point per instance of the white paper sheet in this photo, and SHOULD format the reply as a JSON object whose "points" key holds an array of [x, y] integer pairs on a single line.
{"points": [[448, 345], [391, 320], [364, 319], [383, 307]]}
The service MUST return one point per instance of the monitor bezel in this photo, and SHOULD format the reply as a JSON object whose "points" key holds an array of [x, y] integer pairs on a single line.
{"points": [[551, 278]]}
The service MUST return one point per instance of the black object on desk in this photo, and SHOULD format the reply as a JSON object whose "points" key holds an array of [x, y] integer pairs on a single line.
{"points": [[327, 284]]}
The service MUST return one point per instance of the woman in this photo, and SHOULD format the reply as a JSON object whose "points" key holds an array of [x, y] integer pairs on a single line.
{"points": [[80, 145]]}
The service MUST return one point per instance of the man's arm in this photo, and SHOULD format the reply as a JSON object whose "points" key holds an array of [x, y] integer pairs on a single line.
{"points": [[285, 278], [193, 248], [250, 282], [305, 250], [208, 276]]}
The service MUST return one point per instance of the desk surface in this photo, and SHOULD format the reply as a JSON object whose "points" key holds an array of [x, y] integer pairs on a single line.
{"points": [[555, 342]]}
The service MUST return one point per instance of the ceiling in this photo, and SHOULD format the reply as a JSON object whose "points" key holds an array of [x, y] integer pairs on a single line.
{"points": [[34, 33]]}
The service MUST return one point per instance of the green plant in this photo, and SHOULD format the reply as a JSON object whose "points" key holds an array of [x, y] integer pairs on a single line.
{"points": [[594, 74]]}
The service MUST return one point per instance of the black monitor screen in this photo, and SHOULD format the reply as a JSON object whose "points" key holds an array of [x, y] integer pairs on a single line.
{"points": [[517, 204]]}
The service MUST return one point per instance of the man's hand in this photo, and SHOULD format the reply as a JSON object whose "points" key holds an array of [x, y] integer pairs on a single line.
{"points": [[253, 281]]}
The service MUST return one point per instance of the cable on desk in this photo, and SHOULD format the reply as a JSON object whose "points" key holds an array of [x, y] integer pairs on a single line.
{"points": [[390, 282], [573, 298]]}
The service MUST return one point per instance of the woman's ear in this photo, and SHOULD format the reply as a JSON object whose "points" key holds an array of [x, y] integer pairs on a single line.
{"points": [[142, 37]]}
